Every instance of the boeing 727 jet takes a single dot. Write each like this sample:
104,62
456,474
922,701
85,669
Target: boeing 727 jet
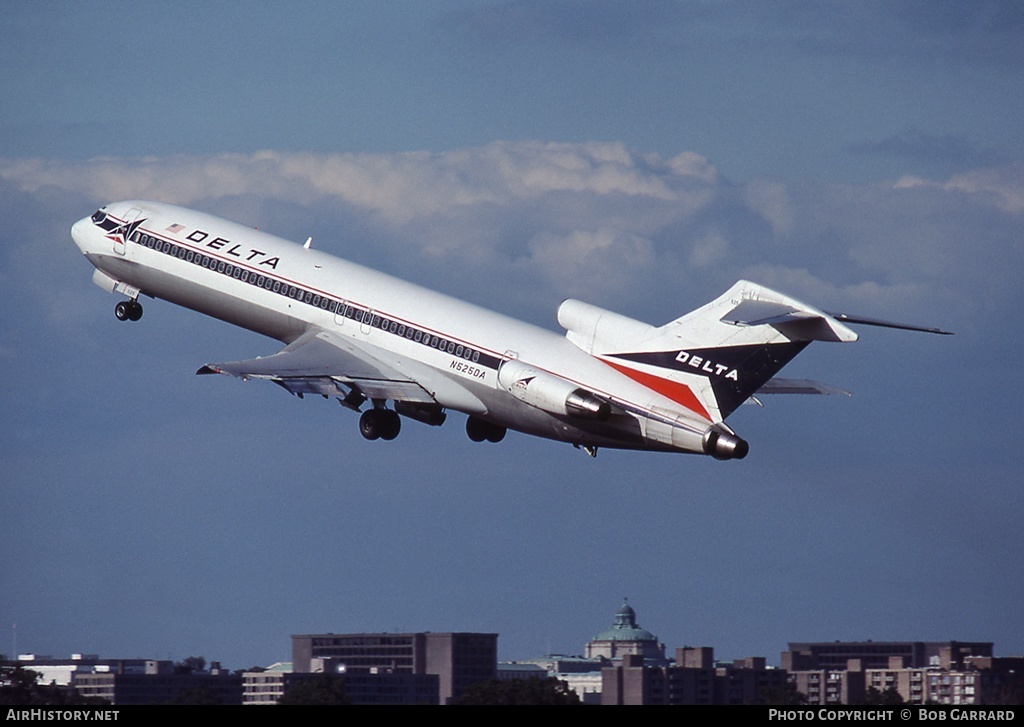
371,340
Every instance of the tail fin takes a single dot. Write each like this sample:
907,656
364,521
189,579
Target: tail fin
710,360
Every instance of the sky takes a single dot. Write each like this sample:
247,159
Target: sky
865,157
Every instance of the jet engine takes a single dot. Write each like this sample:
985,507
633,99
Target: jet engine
551,393
722,445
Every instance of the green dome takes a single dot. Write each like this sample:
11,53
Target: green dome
625,628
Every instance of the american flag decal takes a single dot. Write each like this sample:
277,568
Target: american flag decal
175,227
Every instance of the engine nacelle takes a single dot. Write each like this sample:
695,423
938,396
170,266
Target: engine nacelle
722,445
596,329
551,393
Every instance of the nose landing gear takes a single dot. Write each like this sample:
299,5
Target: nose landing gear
128,310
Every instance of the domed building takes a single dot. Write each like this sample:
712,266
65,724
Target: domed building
626,637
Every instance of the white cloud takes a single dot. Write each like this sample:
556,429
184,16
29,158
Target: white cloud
771,201
1004,185
523,224
591,261
709,249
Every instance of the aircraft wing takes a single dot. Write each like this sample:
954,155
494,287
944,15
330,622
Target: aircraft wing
319,362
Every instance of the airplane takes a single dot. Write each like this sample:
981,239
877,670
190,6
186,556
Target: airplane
366,339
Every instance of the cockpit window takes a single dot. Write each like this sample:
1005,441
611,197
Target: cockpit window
98,216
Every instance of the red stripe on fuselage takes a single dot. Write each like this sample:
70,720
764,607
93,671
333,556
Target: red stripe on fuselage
679,393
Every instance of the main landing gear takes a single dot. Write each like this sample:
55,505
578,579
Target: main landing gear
128,310
479,430
380,423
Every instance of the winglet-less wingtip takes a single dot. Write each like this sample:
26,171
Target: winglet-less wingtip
207,369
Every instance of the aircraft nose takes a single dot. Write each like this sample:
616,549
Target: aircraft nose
80,233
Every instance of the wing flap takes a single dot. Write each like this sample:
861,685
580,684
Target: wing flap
300,386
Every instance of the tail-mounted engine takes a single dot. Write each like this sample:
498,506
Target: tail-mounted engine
551,393
722,445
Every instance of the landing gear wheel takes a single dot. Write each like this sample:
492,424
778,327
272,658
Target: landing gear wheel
478,430
380,424
128,310
392,425
369,426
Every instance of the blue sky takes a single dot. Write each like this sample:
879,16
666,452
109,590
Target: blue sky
863,156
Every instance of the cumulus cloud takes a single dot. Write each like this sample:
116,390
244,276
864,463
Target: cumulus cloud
1001,186
522,225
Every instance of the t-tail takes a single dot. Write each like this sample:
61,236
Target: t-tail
714,359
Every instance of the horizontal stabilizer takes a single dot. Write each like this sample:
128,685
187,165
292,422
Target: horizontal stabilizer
762,312
887,324
760,306
799,386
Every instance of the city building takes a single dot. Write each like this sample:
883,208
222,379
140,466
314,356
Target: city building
915,672
60,671
694,678
458,659
803,656
626,638
362,686
161,683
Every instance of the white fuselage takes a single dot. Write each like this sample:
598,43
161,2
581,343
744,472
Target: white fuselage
284,290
